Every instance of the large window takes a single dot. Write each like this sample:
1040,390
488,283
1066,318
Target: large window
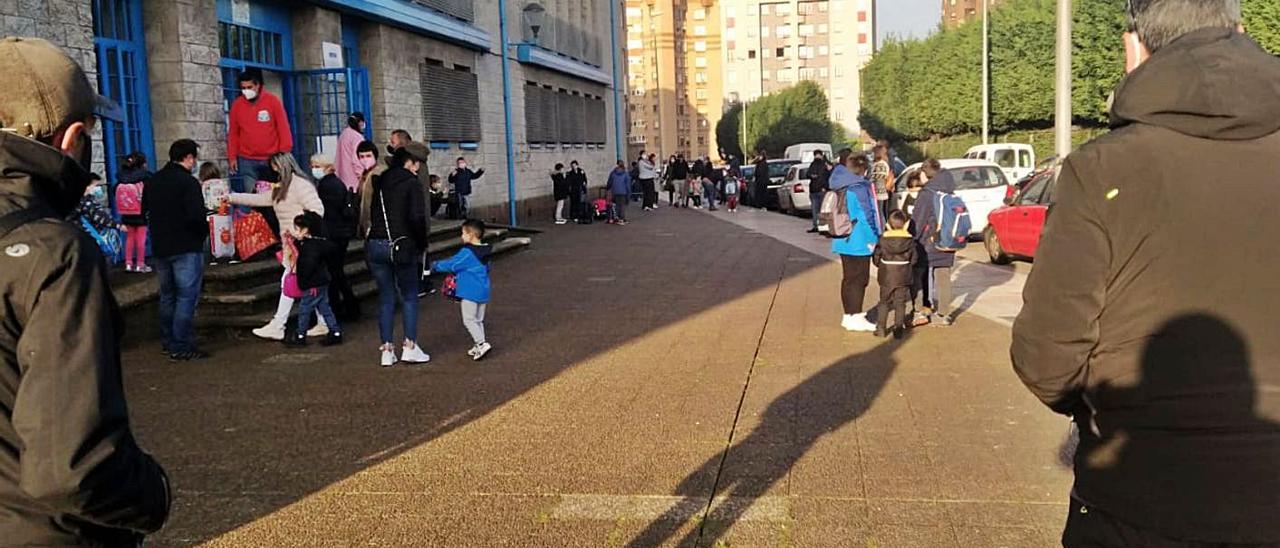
558,115
122,76
251,45
450,102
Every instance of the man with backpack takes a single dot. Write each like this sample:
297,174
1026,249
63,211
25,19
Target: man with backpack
926,222
71,473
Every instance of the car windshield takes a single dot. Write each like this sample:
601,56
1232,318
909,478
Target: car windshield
971,178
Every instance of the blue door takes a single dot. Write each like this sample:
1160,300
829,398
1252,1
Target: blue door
321,101
122,76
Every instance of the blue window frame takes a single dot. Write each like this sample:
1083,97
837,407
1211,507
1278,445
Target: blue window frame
350,43
122,76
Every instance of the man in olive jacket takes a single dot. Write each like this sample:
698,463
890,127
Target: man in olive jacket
70,471
1150,316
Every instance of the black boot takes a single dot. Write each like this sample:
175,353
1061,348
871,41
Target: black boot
295,340
332,339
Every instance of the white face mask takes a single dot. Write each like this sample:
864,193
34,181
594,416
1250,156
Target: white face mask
250,94
318,173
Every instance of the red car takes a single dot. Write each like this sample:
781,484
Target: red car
1013,231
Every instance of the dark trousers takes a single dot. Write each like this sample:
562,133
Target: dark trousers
619,210
1088,527
897,298
650,192
853,286
340,295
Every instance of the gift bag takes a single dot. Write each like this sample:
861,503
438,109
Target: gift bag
252,235
215,192
222,240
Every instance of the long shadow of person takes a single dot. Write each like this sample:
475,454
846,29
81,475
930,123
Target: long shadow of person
1189,449
823,403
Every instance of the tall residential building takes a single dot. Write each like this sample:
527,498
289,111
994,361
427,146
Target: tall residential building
772,45
958,12
674,76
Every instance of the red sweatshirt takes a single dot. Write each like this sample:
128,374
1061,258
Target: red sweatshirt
258,129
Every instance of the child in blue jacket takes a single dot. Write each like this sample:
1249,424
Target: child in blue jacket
470,268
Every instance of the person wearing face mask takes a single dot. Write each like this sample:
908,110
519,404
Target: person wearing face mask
71,472
340,216
460,180
347,164
258,128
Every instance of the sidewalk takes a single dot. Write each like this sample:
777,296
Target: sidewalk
679,381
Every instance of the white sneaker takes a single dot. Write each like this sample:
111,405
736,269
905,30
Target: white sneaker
414,354
319,330
272,332
861,325
388,357
480,350
847,322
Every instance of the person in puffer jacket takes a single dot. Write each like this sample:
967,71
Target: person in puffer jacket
470,269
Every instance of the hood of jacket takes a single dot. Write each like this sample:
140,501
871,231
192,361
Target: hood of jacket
33,173
1211,83
944,182
482,252
842,177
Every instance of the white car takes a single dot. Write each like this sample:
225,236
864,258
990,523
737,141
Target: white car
793,193
981,184
1017,160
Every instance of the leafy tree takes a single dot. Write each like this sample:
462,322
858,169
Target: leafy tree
1262,22
729,130
798,114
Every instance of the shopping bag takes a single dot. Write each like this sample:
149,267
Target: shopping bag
222,240
252,235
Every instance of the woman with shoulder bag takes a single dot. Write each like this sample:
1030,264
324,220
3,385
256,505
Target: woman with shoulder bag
393,221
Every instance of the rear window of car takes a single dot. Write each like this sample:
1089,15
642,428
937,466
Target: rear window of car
971,178
748,171
779,169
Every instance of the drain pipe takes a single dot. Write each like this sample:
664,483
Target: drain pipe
506,114
617,99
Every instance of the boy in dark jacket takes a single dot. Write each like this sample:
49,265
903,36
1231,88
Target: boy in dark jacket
470,269
895,256
311,268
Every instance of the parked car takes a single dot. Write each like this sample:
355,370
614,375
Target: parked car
981,184
777,172
1016,159
1013,231
793,194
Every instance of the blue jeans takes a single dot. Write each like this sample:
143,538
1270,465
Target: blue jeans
317,300
394,281
815,204
180,279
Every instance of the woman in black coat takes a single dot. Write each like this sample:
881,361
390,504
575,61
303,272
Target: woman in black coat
576,179
560,190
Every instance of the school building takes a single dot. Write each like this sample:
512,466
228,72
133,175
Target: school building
431,67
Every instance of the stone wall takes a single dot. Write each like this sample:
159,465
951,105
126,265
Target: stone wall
312,26
186,83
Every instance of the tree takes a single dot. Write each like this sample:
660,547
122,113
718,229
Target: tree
798,114
729,130
1262,22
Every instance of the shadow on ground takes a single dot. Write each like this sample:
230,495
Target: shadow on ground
257,427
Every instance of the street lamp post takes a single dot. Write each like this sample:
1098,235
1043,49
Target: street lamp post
986,74
1062,111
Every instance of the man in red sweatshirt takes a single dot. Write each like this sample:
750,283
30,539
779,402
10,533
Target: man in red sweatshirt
259,128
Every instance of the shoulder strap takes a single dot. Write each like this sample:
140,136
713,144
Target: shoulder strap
18,218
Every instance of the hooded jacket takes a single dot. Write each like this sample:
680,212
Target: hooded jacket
311,268
924,218
818,175
70,471
1158,337
895,256
619,184
861,242
470,267
406,208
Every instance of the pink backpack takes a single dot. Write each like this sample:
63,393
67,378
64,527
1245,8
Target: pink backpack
129,198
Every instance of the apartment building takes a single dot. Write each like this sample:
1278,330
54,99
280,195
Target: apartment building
959,12
674,76
772,45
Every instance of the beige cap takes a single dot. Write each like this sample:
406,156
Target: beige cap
46,89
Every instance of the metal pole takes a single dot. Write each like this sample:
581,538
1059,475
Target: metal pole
506,114
986,74
1062,112
617,79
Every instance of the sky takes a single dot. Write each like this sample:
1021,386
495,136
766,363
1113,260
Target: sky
907,18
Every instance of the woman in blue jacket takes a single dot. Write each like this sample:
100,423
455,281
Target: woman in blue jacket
470,268
855,250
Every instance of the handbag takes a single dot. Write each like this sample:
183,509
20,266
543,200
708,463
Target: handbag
399,246
290,286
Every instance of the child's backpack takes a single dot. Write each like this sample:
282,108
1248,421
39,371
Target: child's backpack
833,218
954,225
601,207
129,198
730,187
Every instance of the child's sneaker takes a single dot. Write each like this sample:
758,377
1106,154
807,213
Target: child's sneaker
480,350
414,354
128,268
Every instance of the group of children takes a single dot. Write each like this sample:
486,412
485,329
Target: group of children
896,257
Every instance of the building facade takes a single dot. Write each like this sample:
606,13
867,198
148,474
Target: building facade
772,45
431,67
674,57
959,12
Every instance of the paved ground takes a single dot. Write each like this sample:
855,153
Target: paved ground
679,381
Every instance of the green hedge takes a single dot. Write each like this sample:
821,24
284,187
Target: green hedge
915,89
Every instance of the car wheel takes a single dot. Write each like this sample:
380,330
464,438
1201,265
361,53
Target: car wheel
992,243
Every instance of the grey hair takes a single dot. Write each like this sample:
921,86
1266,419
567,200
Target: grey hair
1160,22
